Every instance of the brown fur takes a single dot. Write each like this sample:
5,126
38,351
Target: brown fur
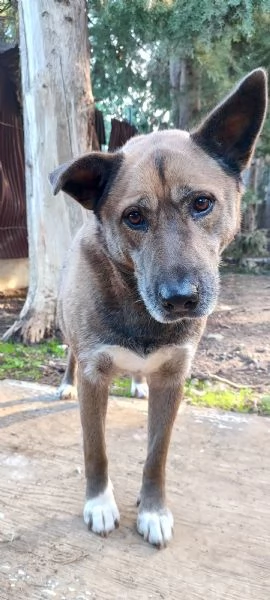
148,291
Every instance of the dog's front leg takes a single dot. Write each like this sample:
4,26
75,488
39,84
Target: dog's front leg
155,520
100,509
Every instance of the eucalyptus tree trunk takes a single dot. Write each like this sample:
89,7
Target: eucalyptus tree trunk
184,92
58,124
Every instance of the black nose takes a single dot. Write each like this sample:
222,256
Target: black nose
182,297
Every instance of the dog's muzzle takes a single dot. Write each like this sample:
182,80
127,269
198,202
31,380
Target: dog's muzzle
181,297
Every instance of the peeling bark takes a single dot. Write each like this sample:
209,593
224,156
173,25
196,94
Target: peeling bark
58,124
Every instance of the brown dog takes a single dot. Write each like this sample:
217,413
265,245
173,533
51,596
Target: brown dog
142,277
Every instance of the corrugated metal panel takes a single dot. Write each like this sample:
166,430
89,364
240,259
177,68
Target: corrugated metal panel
13,227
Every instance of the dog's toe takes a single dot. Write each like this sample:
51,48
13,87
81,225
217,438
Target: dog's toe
156,527
67,392
101,514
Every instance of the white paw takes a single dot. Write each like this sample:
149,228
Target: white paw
156,527
101,514
139,390
67,392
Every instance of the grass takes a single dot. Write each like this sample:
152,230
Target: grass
264,407
27,363
216,395
205,393
121,387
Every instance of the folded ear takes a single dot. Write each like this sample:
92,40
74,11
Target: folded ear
230,131
88,178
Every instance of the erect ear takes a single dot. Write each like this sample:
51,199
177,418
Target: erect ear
230,131
88,178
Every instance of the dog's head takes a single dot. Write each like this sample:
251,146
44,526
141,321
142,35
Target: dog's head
168,203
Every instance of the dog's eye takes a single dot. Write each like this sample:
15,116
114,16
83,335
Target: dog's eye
134,219
202,206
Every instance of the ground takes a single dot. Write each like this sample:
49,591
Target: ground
218,488
241,349
236,344
218,480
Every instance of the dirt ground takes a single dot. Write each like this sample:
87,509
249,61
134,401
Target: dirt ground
218,489
236,344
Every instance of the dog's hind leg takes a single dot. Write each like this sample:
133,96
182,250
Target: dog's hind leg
68,387
100,510
139,387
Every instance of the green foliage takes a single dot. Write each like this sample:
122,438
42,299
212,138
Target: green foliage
252,52
119,34
245,400
206,21
9,26
252,244
264,406
249,197
121,386
24,362
203,393
134,42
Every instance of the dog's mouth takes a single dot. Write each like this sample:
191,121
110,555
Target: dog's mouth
163,316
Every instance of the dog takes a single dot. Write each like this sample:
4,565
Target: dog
142,277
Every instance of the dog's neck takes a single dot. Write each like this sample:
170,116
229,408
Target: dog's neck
126,321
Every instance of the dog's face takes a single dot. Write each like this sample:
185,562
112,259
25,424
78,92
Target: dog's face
169,213
169,203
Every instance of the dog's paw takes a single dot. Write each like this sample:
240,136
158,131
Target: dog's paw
67,392
139,390
101,514
156,526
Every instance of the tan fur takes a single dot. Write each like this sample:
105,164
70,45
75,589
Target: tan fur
137,299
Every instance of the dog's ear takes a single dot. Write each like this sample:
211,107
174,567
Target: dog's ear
230,131
88,178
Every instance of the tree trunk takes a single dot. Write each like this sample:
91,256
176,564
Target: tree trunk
184,92
175,73
249,218
263,217
58,124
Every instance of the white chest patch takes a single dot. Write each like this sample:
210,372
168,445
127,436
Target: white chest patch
130,362
126,361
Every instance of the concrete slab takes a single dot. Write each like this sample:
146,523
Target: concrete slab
218,488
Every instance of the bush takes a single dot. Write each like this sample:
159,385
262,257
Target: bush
251,244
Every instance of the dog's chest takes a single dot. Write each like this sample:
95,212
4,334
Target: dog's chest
128,361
